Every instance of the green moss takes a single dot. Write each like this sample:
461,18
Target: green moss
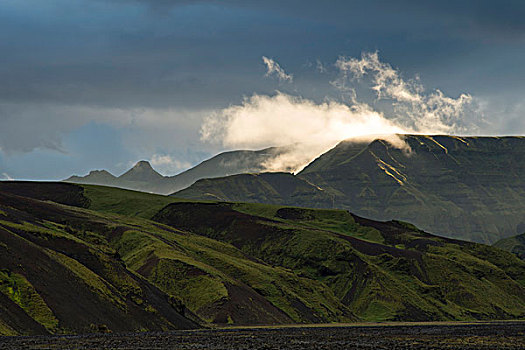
21,292
194,287
298,260
377,311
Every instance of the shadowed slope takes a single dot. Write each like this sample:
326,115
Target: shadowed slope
275,188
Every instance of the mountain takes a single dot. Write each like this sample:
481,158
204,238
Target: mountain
84,258
95,177
142,177
141,172
276,188
469,188
515,245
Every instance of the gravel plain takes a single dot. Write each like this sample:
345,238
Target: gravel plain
479,335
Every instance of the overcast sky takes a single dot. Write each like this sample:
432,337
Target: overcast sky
101,84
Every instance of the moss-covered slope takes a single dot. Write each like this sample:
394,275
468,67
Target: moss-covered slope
58,275
135,261
380,271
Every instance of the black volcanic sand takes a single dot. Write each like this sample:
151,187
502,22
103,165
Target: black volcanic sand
480,335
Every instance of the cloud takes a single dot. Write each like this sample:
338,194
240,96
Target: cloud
26,127
320,66
5,176
422,111
167,164
273,68
309,129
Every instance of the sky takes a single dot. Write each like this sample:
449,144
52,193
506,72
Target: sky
102,84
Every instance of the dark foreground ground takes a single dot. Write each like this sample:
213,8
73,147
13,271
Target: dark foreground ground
489,335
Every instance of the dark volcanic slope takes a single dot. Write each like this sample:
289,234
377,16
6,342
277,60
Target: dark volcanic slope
52,281
470,188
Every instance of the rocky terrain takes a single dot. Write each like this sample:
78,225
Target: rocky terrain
495,335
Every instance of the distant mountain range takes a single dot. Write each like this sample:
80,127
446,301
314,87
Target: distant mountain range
142,177
469,188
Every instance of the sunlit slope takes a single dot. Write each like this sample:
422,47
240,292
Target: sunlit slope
408,253
234,263
470,188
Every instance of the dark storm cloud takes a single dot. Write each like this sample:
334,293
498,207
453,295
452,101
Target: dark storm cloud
504,18
67,63
196,53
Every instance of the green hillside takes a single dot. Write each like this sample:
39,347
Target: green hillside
469,188
136,261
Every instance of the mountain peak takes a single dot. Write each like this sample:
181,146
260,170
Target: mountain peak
142,164
96,177
141,171
100,173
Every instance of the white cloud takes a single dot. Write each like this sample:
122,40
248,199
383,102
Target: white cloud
281,120
273,68
310,128
432,112
320,67
5,176
167,164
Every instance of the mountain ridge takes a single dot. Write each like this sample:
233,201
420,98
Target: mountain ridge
222,164
465,187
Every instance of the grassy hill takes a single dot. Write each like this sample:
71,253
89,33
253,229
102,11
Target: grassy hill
468,188
77,258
